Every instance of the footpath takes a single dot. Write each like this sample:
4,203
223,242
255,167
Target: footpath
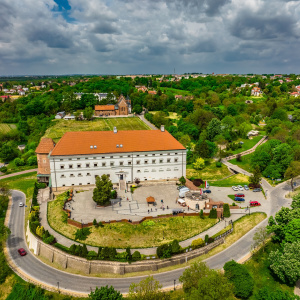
18,173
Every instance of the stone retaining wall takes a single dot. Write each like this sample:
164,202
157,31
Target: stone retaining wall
67,261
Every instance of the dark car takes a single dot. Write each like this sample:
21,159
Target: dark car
22,252
239,195
239,199
207,191
254,203
257,190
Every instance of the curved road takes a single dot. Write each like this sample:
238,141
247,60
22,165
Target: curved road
43,273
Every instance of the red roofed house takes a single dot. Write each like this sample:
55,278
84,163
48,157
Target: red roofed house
123,107
152,92
256,91
45,146
79,157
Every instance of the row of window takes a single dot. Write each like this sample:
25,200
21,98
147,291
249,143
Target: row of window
121,156
121,163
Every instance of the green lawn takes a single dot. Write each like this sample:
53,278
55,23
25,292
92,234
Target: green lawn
210,171
248,143
5,128
245,163
258,267
23,183
175,91
62,126
238,179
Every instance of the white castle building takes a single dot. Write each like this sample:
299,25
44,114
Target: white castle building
79,157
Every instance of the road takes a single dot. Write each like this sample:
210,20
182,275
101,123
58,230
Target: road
47,275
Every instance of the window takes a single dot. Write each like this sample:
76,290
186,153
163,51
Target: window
138,162
139,171
153,154
168,153
61,159
103,164
161,170
161,161
154,161
146,162
128,155
111,157
78,158
146,171
80,183
153,170
168,160
72,183
175,169
63,185
176,160
103,156
94,157
176,153
121,163
146,154
137,155
78,165
129,162
88,183
70,158
121,156
95,165
62,176
72,175
88,174
111,164
79,175
86,158
87,165
70,166
161,154
168,169
62,167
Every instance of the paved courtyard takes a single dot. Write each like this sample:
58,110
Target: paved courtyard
135,206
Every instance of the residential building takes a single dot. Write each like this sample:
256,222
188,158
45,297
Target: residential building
79,157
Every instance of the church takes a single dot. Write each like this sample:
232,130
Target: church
123,107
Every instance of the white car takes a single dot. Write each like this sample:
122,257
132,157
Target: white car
235,188
240,188
21,204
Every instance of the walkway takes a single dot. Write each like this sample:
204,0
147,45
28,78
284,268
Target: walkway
18,173
147,122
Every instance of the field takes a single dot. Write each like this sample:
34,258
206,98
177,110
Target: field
176,91
5,128
62,126
210,172
121,235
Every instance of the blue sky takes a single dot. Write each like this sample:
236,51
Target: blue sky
149,36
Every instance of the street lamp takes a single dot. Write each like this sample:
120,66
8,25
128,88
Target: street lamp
225,224
58,287
174,283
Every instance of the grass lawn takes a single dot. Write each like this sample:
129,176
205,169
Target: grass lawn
62,126
12,168
121,235
245,163
248,143
210,172
5,128
238,179
258,267
172,115
175,91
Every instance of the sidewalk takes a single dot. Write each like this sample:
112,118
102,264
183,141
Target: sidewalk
18,173
147,122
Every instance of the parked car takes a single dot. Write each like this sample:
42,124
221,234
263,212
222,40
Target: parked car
239,199
239,195
22,252
21,204
254,203
257,190
240,188
246,187
207,191
235,188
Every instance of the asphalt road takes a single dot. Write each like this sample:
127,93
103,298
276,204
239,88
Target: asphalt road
50,276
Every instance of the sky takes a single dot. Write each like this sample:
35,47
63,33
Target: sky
149,36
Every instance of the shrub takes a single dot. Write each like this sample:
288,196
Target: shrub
113,194
99,252
62,247
49,240
163,249
73,249
105,253
211,240
19,162
82,234
233,204
226,210
198,243
91,255
84,251
78,250
136,256
206,238
182,180
241,279
32,161
33,226
218,164
213,213
175,247
129,256
239,157
201,215
112,253
40,231
100,224
3,169
95,223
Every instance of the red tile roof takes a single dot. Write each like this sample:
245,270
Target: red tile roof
104,107
45,146
79,143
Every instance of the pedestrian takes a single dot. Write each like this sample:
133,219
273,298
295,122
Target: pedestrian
167,207
127,198
188,207
148,211
151,209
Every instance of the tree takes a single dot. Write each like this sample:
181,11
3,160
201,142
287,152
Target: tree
137,109
259,238
88,113
102,192
105,293
7,153
292,171
241,279
255,177
182,180
201,215
147,289
267,293
286,265
292,231
199,164
213,213
226,210
213,286
191,276
213,129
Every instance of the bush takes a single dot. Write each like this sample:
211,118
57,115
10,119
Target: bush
73,249
84,251
95,223
136,256
218,164
3,169
112,253
113,194
78,250
226,210
82,234
198,243
32,161
4,270
201,215
163,251
239,157
175,247
49,240
62,247
105,253
206,238
213,213
91,255
241,279
19,162
129,256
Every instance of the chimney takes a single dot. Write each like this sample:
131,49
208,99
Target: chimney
115,130
162,128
